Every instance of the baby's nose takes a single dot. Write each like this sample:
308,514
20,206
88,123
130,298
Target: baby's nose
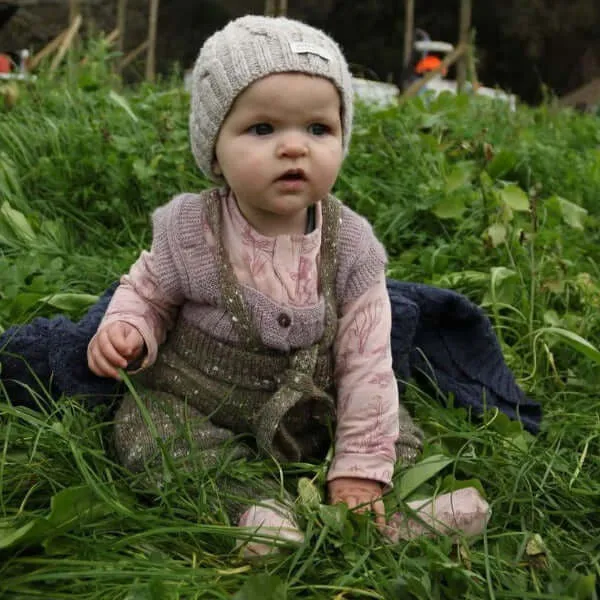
293,145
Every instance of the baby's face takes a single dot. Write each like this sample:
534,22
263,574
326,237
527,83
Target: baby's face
280,149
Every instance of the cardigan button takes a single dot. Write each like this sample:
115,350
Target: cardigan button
284,320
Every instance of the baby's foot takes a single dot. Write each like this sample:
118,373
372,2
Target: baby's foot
269,518
463,512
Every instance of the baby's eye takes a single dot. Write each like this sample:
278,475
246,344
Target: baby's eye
318,129
261,129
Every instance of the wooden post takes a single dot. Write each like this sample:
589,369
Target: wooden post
409,30
112,37
269,8
74,10
121,23
74,13
464,38
283,7
151,54
134,54
48,49
472,66
65,42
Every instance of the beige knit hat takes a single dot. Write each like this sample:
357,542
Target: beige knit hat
246,50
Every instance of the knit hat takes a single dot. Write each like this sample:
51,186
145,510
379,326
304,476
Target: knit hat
246,50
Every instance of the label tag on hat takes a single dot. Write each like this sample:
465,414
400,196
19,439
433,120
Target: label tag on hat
304,48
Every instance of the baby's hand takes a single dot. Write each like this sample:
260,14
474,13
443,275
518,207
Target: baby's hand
113,348
355,492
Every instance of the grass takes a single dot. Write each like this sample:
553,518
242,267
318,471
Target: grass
500,206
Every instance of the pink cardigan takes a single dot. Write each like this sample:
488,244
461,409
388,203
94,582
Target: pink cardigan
284,269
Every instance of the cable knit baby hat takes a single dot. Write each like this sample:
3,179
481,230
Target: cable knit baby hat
246,50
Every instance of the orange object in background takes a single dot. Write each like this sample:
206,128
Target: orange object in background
429,63
5,64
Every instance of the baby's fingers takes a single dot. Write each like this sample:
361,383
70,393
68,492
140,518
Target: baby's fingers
126,340
358,503
362,504
103,359
379,510
352,502
109,346
101,367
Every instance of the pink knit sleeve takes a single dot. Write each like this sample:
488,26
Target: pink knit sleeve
149,296
367,405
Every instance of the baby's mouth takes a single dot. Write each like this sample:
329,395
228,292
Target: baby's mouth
293,175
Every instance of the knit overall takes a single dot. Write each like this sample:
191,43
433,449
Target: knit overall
223,399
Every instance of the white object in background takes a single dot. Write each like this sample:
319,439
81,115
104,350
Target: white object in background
375,92
433,46
383,94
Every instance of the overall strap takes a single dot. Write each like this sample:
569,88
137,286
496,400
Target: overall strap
230,289
332,211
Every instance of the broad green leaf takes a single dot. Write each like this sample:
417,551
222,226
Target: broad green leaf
536,553
70,302
11,535
10,182
123,143
572,339
496,234
262,587
308,493
55,230
17,223
421,472
120,101
334,516
451,207
498,421
556,286
522,441
155,161
459,278
501,164
503,284
498,275
429,142
155,589
68,508
73,504
143,170
459,177
513,196
451,484
25,300
505,212
7,237
551,318
535,546
572,214
585,587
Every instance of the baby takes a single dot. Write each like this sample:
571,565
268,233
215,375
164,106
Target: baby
259,319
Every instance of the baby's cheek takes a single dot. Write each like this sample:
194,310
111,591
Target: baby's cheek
252,170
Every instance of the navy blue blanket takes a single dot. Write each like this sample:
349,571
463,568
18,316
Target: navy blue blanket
439,338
